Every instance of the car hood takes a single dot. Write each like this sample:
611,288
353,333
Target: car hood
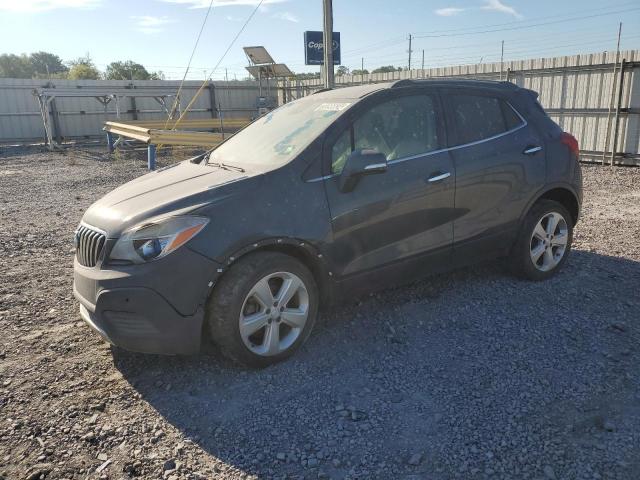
178,189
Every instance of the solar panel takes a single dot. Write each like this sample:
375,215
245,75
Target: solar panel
269,71
281,70
258,55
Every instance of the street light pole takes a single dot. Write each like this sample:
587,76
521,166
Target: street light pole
328,43
501,58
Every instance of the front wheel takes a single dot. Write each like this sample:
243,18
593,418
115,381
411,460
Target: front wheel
263,308
544,241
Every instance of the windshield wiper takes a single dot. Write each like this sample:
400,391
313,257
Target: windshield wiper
225,166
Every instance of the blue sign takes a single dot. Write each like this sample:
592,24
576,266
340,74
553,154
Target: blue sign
314,48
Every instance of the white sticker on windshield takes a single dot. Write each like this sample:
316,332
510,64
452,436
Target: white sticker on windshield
332,107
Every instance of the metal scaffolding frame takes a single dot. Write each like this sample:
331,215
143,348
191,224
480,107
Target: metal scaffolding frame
46,101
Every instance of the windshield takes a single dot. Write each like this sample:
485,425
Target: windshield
278,136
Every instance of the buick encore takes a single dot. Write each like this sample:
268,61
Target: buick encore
337,193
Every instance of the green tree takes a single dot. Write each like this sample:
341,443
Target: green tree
159,75
44,64
83,69
360,72
306,76
128,70
14,66
342,70
387,69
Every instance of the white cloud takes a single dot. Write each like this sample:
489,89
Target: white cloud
149,24
220,3
498,6
32,6
288,16
449,11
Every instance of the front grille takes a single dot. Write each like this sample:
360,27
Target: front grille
89,244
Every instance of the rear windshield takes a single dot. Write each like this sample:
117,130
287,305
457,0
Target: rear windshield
280,135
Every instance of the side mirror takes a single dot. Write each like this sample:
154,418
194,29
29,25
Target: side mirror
359,163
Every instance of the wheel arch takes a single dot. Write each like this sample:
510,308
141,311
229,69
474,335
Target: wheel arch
561,193
303,251
566,198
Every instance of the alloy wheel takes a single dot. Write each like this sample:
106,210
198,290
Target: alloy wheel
274,313
549,241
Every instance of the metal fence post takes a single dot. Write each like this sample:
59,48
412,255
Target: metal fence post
151,157
212,99
110,142
134,105
616,121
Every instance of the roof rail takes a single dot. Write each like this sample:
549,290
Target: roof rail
322,90
408,82
403,83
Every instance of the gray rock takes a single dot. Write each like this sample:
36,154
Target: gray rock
549,473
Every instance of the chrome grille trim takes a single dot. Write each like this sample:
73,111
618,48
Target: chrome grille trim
89,243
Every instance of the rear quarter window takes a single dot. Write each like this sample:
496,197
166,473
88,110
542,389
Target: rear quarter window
511,118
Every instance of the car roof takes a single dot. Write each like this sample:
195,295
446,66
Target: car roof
360,91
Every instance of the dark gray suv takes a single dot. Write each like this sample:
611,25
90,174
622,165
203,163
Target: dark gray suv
337,193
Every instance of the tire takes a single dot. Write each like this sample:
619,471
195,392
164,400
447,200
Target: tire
529,243
241,297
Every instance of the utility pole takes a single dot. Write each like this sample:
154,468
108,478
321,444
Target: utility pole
409,51
327,40
501,59
607,138
422,63
362,71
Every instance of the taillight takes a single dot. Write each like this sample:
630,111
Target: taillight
571,142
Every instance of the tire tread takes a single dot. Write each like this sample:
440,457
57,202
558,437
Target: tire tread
225,302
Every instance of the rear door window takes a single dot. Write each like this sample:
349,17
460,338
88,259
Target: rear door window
480,117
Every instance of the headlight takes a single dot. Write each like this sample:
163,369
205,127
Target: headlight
153,240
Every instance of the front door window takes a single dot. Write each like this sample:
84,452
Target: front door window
398,128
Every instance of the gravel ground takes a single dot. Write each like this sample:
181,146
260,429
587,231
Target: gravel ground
468,375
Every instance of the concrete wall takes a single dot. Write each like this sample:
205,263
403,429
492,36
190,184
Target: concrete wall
576,91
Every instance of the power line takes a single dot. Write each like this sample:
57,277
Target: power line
535,19
529,26
448,60
398,40
193,51
244,25
555,41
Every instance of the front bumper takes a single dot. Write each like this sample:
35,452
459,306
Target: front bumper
151,308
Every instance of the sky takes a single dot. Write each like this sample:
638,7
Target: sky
161,34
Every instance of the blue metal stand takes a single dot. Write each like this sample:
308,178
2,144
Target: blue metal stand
110,142
151,157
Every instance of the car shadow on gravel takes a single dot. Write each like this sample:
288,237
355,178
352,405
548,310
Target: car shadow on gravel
422,379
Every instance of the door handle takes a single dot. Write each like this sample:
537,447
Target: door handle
439,176
531,149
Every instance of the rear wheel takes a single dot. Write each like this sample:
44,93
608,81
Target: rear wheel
544,241
263,308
